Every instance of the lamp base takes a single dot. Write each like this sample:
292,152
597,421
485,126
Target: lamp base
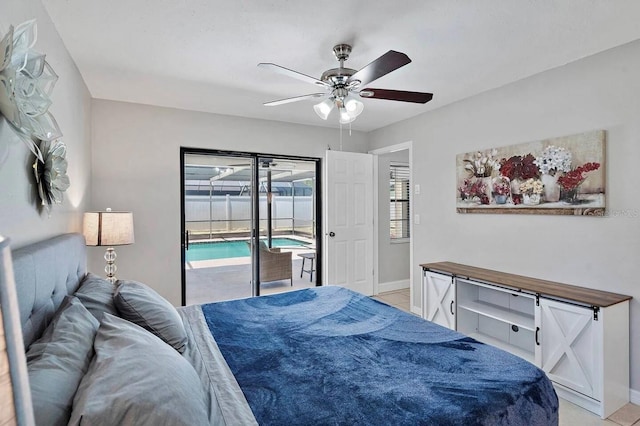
111,268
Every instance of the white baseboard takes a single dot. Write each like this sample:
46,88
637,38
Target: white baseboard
634,396
393,285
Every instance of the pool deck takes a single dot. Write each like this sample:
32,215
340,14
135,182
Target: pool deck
224,279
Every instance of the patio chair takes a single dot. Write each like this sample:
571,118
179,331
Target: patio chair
275,265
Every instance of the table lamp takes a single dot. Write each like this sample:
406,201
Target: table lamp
108,228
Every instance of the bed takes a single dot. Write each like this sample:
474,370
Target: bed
318,356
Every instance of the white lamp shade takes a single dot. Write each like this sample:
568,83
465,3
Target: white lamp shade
108,228
345,117
354,107
323,109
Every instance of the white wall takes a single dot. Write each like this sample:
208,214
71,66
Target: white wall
599,92
136,167
20,218
393,258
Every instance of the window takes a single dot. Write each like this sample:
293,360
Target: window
399,190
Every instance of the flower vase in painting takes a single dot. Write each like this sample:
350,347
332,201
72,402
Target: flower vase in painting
531,199
517,169
482,166
531,190
474,190
486,184
551,163
516,195
501,189
570,196
572,180
551,187
501,198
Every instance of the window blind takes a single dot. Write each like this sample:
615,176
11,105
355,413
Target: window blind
399,192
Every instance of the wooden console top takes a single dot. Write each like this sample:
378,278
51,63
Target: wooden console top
543,288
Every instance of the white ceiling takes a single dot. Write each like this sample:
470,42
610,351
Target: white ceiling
202,54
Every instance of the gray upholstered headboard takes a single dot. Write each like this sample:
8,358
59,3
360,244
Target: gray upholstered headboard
45,272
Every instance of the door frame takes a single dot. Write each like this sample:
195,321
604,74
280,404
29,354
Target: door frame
376,220
256,219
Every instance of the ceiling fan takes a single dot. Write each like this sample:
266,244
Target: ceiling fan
341,85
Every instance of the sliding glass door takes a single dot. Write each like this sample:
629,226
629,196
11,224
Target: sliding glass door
218,222
248,223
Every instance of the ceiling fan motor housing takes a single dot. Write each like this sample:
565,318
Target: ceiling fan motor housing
338,77
342,51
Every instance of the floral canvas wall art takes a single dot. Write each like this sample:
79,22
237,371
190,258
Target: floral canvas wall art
563,175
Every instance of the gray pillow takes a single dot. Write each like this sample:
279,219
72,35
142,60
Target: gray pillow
58,360
96,294
136,379
141,305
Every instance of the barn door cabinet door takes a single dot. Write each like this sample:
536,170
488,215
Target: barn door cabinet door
584,351
439,299
569,349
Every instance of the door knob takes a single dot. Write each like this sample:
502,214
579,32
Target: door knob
332,234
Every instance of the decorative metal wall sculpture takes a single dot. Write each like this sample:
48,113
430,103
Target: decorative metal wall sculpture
26,83
51,174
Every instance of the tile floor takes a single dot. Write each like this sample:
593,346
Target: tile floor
398,298
570,414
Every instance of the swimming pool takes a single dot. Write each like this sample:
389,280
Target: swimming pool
228,249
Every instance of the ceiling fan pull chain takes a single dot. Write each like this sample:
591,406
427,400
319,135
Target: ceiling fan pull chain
340,136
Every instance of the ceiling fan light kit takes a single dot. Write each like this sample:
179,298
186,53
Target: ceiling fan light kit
323,109
345,118
343,84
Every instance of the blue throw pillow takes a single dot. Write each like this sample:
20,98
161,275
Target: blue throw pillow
141,305
58,360
96,294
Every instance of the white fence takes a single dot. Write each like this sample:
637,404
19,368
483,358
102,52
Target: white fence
221,214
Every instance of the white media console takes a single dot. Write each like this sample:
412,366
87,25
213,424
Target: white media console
578,336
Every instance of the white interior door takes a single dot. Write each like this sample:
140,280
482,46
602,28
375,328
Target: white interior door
348,216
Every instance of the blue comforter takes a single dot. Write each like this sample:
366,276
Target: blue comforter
330,356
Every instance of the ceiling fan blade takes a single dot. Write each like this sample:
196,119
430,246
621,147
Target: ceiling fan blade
397,95
294,99
295,74
386,63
